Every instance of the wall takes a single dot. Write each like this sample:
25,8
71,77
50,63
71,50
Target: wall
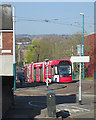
6,64
7,43
90,51
6,59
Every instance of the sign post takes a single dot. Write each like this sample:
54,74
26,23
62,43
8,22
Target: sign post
80,59
46,62
80,90
47,76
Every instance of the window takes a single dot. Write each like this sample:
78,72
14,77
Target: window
64,68
0,39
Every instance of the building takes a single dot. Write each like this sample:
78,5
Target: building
90,50
6,40
6,58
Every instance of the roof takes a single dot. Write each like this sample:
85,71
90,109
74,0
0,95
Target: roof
93,33
6,17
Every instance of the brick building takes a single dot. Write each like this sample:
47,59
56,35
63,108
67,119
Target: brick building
90,50
6,59
6,40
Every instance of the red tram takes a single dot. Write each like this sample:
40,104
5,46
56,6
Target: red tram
58,71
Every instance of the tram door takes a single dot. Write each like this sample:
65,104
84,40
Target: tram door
34,74
52,73
40,74
37,74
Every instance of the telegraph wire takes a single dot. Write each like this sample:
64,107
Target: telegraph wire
55,20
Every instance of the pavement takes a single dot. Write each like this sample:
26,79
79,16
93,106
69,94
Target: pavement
30,101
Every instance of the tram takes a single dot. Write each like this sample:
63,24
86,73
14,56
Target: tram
53,70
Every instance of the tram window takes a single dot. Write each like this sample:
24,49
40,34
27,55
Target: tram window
52,70
64,67
30,71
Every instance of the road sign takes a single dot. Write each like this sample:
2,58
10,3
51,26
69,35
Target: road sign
80,59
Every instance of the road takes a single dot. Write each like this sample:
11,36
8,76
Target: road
30,100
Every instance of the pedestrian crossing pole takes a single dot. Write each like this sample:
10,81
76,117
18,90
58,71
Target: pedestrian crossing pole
46,62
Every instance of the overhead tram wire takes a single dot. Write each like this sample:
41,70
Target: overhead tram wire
54,21
48,21
66,18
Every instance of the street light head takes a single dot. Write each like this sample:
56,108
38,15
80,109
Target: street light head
81,13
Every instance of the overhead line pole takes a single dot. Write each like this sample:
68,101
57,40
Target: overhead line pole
83,51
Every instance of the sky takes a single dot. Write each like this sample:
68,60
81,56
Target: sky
36,18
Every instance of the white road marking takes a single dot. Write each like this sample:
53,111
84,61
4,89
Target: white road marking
75,110
37,102
35,105
72,109
80,108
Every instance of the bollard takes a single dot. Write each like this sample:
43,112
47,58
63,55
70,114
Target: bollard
51,105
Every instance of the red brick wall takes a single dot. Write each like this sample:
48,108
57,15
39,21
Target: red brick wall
7,41
90,51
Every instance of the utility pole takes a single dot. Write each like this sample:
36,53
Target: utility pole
18,54
19,44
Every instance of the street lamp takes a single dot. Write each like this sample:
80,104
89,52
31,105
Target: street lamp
83,46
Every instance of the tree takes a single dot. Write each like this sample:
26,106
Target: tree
53,47
33,52
45,50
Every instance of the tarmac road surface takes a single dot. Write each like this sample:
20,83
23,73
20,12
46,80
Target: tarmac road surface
30,101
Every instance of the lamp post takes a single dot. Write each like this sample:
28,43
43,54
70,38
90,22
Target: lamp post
83,47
